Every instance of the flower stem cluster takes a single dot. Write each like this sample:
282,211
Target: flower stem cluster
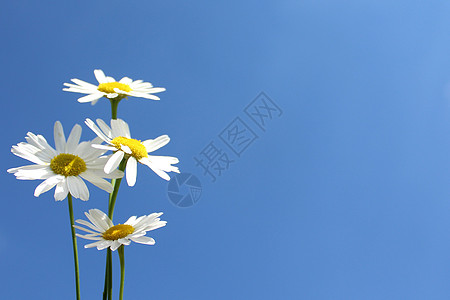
70,163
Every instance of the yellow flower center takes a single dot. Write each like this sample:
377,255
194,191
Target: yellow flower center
118,232
110,86
67,165
138,150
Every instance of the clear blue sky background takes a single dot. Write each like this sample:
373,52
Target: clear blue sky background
345,196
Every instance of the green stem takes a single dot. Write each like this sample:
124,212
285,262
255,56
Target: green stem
74,243
108,272
113,196
114,105
107,290
122,270
109,258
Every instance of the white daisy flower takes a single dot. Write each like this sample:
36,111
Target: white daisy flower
64,167
119,140
106,234
108,87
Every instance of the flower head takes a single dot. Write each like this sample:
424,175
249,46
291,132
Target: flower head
119,140
64,167
110,88
106,234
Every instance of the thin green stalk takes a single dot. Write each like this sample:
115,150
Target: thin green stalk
107,290
122,269
113,196
74,243
114,105
108,272
109,257
110,278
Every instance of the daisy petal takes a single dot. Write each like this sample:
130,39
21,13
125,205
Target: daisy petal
155,90
47,184
100,76
97,181
153,145
104,147
155,169
131,171
32,172
126,149
97,130
126,80
60,139
85,229
61,190
115,245
120,128
131,220
74,139
113,162
112,95
144,240
77,188
100,245
124,241
114,174
105,128
110,79
104,245
87,236
98,219
90,98
87,224
101,218
84,84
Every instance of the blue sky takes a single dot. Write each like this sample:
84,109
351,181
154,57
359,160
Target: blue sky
343,196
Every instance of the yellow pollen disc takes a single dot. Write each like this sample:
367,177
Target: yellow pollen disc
110,86
138,150
67,165
118,232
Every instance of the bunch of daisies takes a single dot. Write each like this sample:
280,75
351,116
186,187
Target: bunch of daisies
102,161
